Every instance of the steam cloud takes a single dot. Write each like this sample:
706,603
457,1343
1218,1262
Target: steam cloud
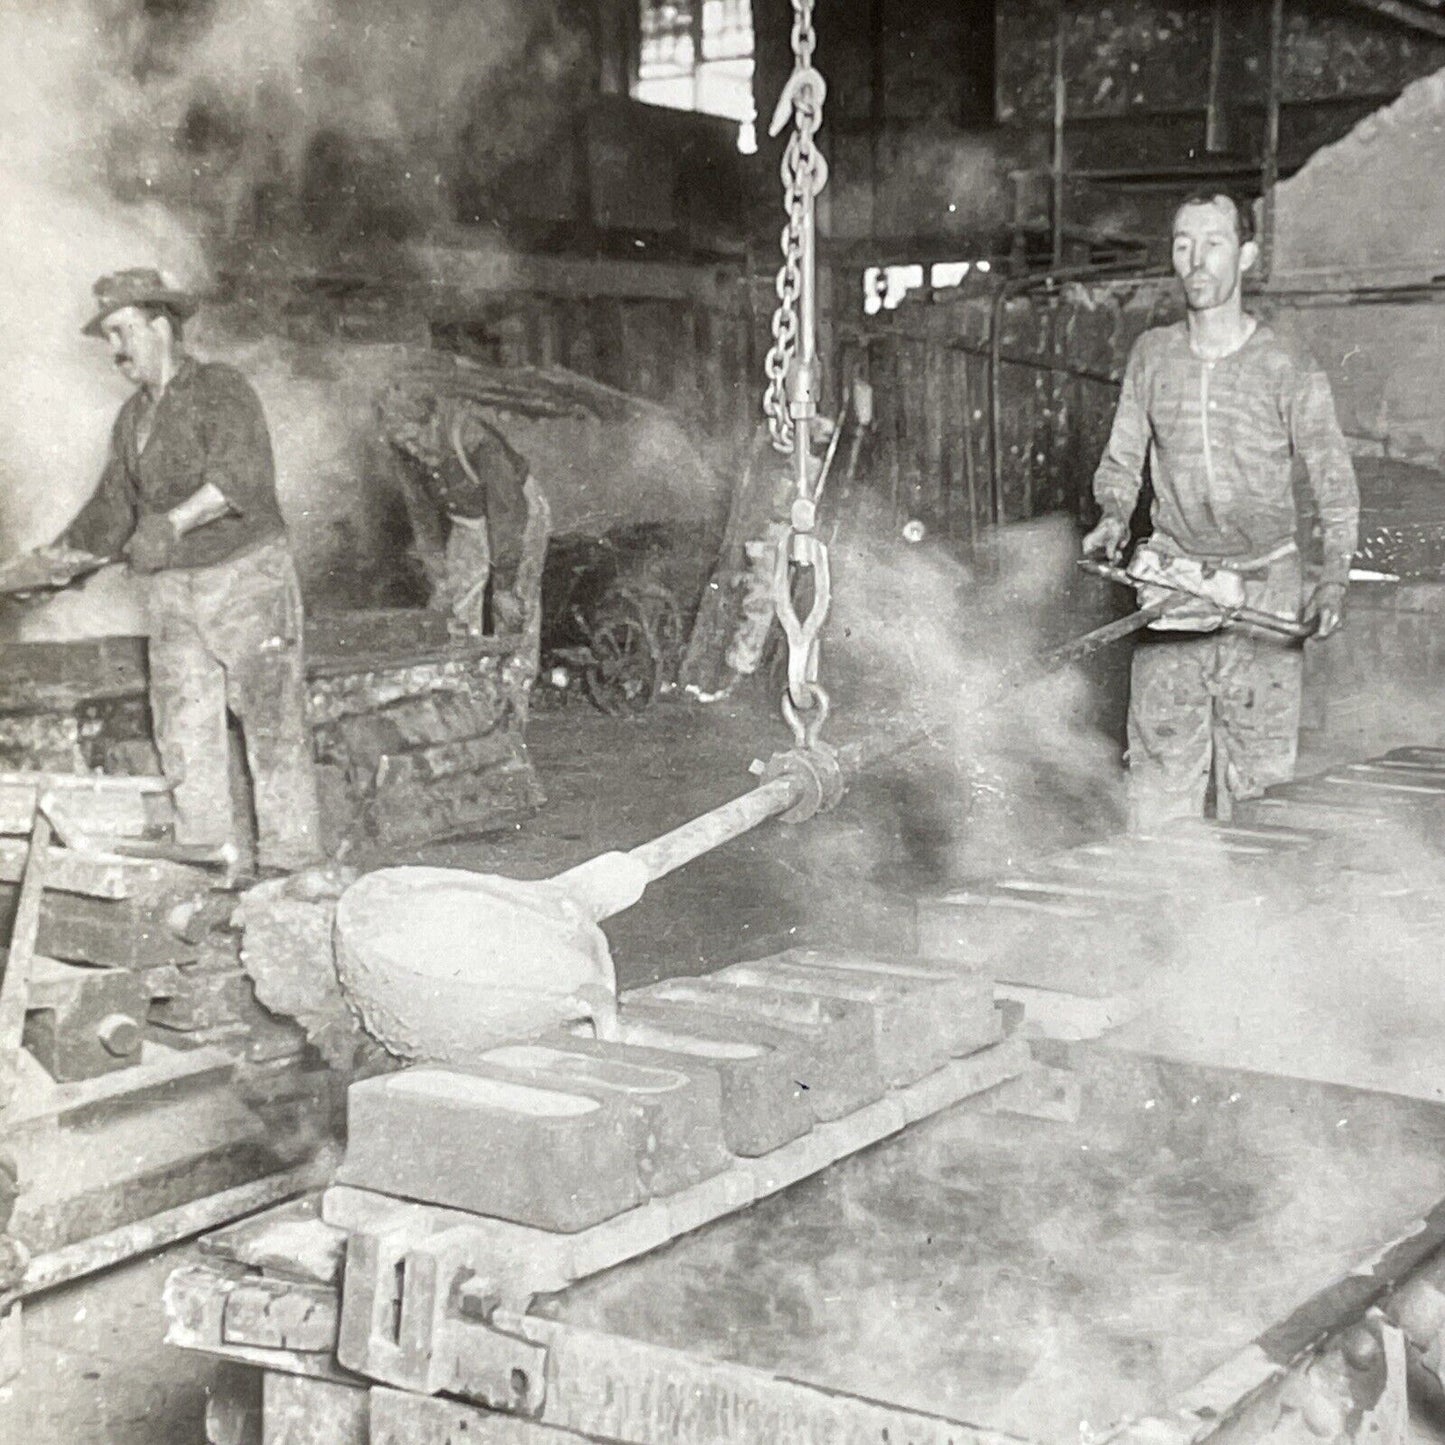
921,642
236,145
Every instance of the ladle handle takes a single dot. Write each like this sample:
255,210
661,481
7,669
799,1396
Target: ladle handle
719,825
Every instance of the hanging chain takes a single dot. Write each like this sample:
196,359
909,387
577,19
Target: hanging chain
804,173
790,400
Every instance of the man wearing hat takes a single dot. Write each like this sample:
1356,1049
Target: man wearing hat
188,498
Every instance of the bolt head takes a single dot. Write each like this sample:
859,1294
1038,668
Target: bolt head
119,1035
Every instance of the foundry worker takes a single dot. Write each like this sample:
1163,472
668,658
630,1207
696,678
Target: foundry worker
1221,408
188,498
479,521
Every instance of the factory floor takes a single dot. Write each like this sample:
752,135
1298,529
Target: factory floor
98,1369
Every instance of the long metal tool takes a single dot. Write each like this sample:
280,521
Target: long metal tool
443,963
1043,663
1250,616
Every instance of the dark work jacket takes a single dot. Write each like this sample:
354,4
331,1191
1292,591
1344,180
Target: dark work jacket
437,492
208,427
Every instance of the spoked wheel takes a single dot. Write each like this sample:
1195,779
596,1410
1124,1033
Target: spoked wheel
635,642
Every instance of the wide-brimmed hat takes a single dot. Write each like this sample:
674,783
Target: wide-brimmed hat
140,286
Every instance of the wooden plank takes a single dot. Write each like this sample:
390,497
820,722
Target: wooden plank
15,983
416,767
91,804
466,802
469,272
37,676
934,419
89,1256
161,1073
467,652
88,782
413,722
291,1241
375,633
103,875
1412,16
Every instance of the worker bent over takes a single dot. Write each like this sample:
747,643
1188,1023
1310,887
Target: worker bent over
479,520
1220,408
188,497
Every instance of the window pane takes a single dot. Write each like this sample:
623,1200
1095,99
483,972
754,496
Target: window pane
671,72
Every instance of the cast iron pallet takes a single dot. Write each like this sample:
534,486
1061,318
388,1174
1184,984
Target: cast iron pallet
636,1343
852,1307
599,1385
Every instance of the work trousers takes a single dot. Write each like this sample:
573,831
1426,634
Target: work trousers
462,591
229,637
470,565
1225,702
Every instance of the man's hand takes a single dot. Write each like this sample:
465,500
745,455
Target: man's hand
152,544
1107,540
1326,608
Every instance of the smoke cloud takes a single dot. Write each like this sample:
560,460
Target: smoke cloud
56,235
244,148
922,644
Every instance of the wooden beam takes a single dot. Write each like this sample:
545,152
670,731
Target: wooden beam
1402,12
144,1236
1056,207
467,273
1269,169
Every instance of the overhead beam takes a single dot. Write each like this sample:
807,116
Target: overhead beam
1402,12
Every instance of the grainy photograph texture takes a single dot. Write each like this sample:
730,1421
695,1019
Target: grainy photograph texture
722,722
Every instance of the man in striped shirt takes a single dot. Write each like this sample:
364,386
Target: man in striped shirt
1221,408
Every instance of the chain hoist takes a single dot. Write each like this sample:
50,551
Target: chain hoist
792,360
790,400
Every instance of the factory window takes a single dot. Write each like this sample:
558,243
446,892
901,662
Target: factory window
698,55
884,287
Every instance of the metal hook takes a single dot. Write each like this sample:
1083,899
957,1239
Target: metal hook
803,78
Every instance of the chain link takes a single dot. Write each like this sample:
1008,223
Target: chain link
791,374
805,703
804,173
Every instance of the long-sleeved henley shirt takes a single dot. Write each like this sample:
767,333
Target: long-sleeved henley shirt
1221,438
208,426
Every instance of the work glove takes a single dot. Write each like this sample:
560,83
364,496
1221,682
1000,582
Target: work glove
1107,540
152,544
1326,608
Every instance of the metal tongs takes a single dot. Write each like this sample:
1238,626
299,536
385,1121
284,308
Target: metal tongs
1251,616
